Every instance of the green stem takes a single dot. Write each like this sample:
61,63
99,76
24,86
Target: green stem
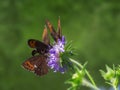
89,76
88,84
115,88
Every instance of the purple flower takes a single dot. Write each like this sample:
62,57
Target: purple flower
54,56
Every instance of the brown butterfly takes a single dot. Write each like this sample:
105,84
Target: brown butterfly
56,35
38,63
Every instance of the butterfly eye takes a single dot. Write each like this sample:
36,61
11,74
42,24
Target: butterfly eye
43,51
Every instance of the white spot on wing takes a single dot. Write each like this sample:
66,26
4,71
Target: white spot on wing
35,66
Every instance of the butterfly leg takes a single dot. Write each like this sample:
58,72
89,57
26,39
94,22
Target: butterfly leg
34,52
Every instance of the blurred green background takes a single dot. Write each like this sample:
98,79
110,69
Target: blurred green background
92,25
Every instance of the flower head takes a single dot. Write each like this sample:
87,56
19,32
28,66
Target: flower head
54,56
58,59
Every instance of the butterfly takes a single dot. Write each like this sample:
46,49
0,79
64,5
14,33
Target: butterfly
38,63
55,35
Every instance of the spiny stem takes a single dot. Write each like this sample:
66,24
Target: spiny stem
89,76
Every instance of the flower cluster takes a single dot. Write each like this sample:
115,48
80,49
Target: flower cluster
54,55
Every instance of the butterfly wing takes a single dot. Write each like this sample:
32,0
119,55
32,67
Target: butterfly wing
42,69
59,31
36,64
35,43
45,36
38,45
52,30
